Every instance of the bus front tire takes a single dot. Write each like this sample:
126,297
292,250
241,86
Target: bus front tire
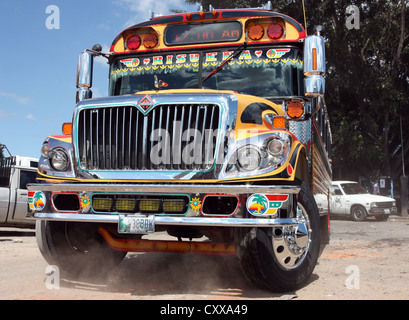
77,249
282,259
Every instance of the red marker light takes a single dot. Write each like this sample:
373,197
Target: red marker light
275,31
133,42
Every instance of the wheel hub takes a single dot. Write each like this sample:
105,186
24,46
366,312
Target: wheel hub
291,243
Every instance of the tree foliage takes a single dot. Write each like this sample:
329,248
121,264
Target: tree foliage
367,78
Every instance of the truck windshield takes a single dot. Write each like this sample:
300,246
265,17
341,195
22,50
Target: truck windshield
353,188
264,72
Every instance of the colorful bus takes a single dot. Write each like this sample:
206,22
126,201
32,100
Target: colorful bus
215,132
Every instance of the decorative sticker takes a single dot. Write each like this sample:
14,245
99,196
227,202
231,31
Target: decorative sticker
195,204
194,57
131,63
181,58
191,61
157,60
245,55
85,202
265,204
277,53
36,200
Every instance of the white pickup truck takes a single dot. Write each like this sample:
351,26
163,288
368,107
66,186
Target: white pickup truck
350,197
15,173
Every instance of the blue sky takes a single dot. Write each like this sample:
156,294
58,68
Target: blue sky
38,65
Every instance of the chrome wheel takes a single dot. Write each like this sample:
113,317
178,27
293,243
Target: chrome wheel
282,259
290,244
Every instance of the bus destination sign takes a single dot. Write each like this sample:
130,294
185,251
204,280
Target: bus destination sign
203,33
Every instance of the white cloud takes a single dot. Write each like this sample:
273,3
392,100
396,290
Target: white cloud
139,10
4,114
20,99
30,116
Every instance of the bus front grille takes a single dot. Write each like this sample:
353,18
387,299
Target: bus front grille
169,137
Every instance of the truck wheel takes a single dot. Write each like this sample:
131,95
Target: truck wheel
358,213
76,248
282,259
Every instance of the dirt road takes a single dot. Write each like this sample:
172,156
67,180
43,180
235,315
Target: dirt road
366,260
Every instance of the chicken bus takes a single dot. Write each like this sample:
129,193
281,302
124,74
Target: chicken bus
215,134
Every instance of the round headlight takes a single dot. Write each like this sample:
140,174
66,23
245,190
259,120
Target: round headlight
59,160
248,158
45,149
275,147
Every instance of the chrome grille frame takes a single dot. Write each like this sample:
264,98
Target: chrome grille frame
118,137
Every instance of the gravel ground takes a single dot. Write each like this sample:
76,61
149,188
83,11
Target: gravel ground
365,260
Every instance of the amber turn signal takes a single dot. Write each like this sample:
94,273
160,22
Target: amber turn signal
67,128
150,41
256,32
279,122
295,110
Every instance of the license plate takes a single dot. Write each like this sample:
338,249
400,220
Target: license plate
136,224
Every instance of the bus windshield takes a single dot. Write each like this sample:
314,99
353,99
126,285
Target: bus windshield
263,72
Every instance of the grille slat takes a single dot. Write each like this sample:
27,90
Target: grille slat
180,137
385,205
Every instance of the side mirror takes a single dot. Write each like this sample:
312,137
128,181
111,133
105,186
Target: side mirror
314,65
84,76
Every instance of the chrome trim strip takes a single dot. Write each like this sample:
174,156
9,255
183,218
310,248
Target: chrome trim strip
185,221
165,188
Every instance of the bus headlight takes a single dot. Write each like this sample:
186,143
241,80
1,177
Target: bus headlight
59,159
248,158
275,147
264,152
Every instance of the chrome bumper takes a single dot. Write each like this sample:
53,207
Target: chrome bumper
162,188
178,221
168,188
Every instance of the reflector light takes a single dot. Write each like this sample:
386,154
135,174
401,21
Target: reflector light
125,205
150,41
314,59
279,122
149,205
133,42
295,110
101,204
275,31
173,206
256,32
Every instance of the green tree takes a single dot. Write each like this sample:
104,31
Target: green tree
367,78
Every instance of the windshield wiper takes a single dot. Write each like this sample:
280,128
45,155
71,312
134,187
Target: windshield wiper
231,57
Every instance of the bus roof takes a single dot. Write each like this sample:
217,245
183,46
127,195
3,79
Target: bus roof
209,17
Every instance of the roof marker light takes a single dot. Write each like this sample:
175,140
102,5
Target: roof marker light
275,31
150,41
256,32
133,42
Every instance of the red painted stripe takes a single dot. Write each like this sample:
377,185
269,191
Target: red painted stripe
277,197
